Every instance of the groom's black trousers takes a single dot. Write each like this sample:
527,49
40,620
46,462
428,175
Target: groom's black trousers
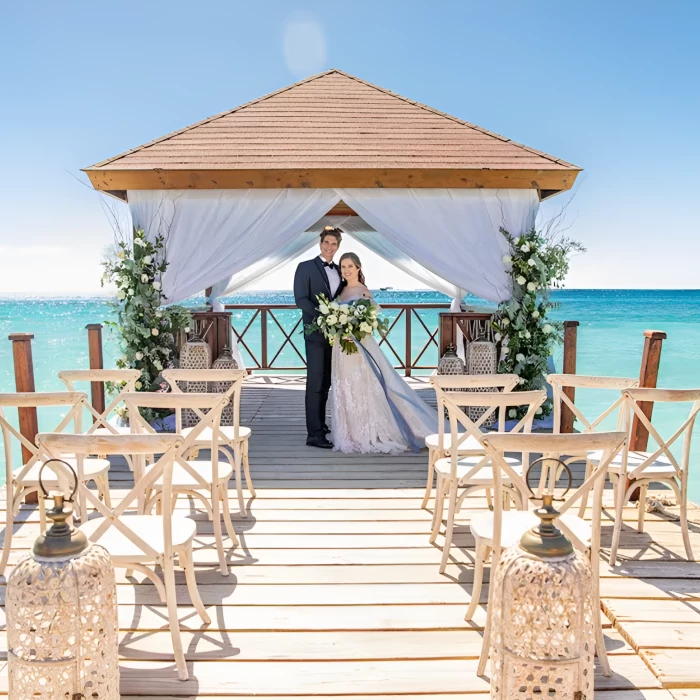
318,383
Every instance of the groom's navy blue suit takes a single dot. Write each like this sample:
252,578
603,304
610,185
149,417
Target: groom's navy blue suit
310,280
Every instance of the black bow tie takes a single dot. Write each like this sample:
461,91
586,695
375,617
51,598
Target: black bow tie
332,265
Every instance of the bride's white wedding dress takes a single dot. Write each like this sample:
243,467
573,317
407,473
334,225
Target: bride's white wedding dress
372,407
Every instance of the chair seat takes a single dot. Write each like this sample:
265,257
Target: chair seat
483,476
182,479
660,467
148,527
206,435
92,468
470,444
121,430
515,523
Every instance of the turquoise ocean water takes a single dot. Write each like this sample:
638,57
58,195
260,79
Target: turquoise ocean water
610,341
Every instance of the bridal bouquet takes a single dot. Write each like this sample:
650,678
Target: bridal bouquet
348,323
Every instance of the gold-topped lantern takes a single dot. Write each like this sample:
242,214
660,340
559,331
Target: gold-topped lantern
224,361
542,643
61,606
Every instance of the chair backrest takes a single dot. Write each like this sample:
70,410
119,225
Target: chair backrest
502,402
76,401
124,379
559,382
167,446
212,403
567,448
633,400
233,377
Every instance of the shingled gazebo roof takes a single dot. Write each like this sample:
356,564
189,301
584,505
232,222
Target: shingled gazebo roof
332,130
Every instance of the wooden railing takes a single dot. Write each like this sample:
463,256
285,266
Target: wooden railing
269,334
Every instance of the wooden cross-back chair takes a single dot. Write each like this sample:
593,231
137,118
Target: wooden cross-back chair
24,480
439,444
475,473
631,470
497,530
233,438
134,540
559,382
204,480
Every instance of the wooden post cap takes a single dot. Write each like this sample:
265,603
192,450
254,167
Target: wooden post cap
655,335
571,324
14,337
94,326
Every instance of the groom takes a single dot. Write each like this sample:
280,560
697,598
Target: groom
313,277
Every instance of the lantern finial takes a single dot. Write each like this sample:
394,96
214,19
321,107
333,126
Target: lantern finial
61,539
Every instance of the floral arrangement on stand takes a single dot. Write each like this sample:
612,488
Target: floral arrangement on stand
538,262
348,323
147,329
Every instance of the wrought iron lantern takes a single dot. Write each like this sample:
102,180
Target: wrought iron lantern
61,606
542,644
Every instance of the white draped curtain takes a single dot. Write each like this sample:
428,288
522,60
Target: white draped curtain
449,239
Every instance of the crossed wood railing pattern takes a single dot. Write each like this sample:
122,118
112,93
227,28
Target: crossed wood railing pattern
255,333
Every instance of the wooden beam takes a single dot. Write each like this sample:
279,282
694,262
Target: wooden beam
157,179
341,209
97,389
569,367
648,376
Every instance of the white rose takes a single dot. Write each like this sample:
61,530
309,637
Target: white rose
507,259
131,292
121,294
505,350
344,308
531,286
187,329
157,365
512,413
365,328
547,328
375,324
497,337
120,255
156,285
147,260
343,319
144,278
138,385
525,247
159,314
538,411
139,356
521,381
535,314
323,309
154,331
334,306
140,242
531,262
332,319
520,280
528,335
520,357
505,322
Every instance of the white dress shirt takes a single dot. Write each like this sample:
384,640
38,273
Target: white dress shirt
333,277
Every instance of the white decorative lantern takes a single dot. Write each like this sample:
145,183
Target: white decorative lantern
482,360
195,354
450,362
61,606
542,641
224,361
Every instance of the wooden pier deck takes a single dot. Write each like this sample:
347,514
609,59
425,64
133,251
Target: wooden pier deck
334,590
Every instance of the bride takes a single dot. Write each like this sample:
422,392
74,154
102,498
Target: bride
372,407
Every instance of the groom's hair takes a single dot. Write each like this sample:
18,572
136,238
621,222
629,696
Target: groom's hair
332,231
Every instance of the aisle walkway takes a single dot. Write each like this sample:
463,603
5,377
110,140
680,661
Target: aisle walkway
335,589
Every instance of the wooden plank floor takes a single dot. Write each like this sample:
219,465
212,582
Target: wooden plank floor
334,590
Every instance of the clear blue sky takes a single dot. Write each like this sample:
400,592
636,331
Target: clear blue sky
610,86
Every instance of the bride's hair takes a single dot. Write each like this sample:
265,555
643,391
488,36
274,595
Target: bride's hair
356,261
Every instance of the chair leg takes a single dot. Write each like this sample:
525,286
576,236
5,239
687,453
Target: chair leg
684,529
485,642
218,535
173,620
481,553
619,495
584,500
237,462
489,500
106,496
449,527
187,563
431,475
641,507
9,527
600,641
227,515
439,506
246,469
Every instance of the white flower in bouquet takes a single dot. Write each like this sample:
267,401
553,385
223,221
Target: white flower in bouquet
547,328
138,385
344,308
531,262
121,294
159,314
505,350
365,327
156,285
139,356
375,324
144,278
521,381
158,365
505,322
147,259
521,280
507,259
334,305
332,320
187,329
520,357
528,335
512,413
155,331
539,411
497,337
323,309
525,247
140,242
131,292
343,317
120,254
531,286
535,314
